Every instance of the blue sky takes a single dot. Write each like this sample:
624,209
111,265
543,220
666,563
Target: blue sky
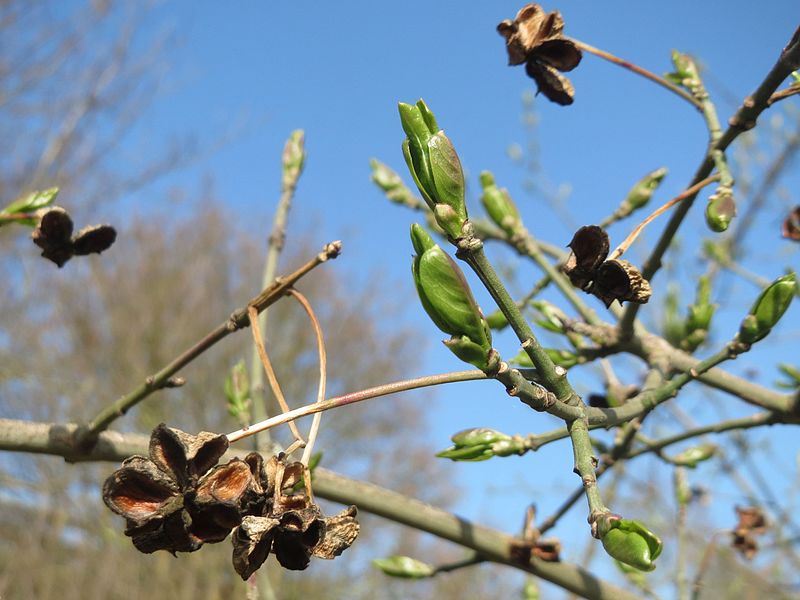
261,69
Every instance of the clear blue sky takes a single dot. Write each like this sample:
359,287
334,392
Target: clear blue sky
337,70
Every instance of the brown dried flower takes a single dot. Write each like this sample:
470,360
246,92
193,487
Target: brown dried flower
752,522
292,527
609,280
791,225
535,38
177,500
53,235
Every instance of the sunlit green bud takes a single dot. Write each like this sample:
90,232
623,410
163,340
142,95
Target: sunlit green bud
530,591
404,566
562,358
691,457
237,392
446,297
391,183
630,542
499,206
683,492
641,193
721,209
467,453
448,219
793,375
685,73
768,309
294,157
434,165
554,317
508,447
497,320
29,204
478,435
673,326
701,312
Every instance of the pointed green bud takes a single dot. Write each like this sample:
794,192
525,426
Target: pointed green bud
237,392
434,166
391,184
721,209
630,542
793,375
467,453
680,481
685,73
294,157
497,320
447,298
554,317
641,193
698,321
499,206
563,358
404,566
29,204
768,309
691,457
478,435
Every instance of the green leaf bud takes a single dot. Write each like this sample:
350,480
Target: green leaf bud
768,309
721,209
434,165
447,298
499,206
630,542
691,457
642,191
793,375
237,392
29,204
478,435
294,157
497,320
404,566
508,447
683,492
685,73
562,358
554,317
391,184
468,453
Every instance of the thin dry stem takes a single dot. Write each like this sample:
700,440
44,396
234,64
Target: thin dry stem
639,71
252,312
688,192
323,370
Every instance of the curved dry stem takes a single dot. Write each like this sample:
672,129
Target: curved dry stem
323,370
688,192
270,372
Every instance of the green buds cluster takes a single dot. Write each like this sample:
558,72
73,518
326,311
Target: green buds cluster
694,455
721,209
629,541
768,309
405,567
482,444
499,205
293,160
26,205
446,297
435,167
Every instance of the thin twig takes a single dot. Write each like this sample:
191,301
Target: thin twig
639,71
352,398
